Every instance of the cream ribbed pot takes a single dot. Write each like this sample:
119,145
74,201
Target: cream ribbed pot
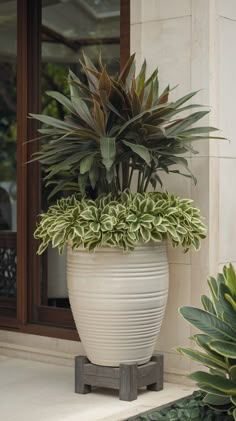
118,301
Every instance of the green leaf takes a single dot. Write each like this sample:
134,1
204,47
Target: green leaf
104,83
83,111
184,99
62,99
211,399
42,248
213,286
79,231
131,218
208,305
229,312
234,414
231,301
145,233
205,359
208,323
202,341
108,151
141,78
232,373
57,238
147,218
230,277
156,236
93,176
225,348
134,226
217,382
140,150
94,226
86,163
126,69
51,121
87,215
180,126
210,389
233,399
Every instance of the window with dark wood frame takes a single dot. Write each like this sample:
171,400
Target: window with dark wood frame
32,316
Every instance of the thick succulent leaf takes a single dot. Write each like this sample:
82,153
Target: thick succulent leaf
221,278
202,341
229,311
234,414
208,304
232,302
210,389
230,277
233,400
202,358
211,399
217,382
232,373
208,323
225,348
213,286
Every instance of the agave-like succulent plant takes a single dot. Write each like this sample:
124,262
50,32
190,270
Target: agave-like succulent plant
116,127
217,321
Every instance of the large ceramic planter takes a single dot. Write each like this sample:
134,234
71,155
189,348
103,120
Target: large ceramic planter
118,301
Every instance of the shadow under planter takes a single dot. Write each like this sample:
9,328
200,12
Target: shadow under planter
127,378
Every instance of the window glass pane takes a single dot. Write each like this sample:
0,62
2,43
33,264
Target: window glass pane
68,27
8,137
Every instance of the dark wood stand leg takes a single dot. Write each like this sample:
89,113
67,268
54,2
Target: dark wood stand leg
80,385
128,382
159,368
127,378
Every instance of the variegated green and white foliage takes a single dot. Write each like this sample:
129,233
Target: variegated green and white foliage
217,321
119,131
122,222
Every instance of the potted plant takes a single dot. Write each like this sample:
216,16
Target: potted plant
215,347
120,134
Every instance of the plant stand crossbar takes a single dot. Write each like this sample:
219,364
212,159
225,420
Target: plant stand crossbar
127,378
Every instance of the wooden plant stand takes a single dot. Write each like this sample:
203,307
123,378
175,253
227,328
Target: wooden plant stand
127,378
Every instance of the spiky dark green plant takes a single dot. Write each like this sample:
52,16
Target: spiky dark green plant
117,126
217,321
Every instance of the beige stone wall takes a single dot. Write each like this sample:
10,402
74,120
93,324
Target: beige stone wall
191,41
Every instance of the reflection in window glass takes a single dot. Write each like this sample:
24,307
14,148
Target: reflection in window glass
8,136
68,28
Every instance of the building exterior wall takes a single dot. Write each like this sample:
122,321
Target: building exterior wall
190,41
